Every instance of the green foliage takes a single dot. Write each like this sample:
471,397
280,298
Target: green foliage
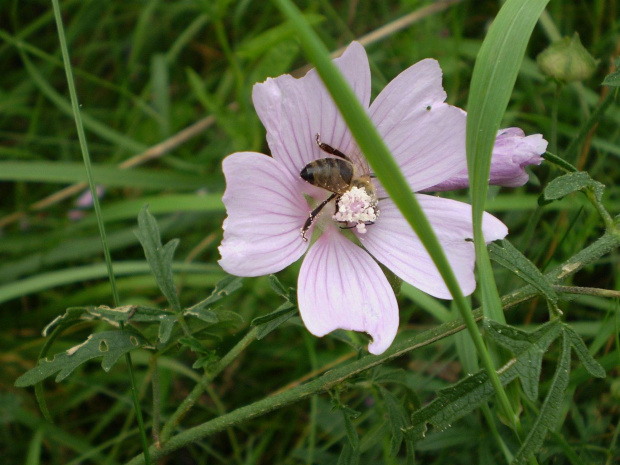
165,93
159,257
510,258
572,182
110,345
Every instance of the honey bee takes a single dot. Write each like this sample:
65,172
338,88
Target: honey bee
336,175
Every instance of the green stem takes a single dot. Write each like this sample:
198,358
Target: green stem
97,207
209,376
554,117
334,377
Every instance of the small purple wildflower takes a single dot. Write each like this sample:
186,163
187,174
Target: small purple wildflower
512,152
340,283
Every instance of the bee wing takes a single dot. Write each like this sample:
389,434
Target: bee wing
359,161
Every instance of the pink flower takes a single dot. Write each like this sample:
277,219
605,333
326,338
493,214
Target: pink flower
512,152
340,283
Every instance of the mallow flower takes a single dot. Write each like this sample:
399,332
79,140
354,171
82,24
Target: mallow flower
341,284
512,152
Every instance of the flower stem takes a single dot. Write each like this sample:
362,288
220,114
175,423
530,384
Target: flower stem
207,377
93,190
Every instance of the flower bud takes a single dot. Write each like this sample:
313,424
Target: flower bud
567,60
512,152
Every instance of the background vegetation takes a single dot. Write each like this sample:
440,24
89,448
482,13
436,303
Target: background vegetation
164,89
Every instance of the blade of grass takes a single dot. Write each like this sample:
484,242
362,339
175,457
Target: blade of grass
93,190
494,75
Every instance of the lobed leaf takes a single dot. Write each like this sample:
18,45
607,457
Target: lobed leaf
470,393
397,418
513,260
528,348
572,182
110,345
159,257
613,79
580,348
551,408
274,319
223,288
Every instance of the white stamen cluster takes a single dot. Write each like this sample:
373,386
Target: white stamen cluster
356,206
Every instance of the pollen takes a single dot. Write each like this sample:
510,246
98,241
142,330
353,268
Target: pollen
357,207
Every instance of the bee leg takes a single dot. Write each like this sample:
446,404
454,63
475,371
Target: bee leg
329,149
313,214
367,223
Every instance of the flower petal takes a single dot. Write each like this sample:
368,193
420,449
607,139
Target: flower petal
266,211
392,242
425,135
294,110
341,286
512,152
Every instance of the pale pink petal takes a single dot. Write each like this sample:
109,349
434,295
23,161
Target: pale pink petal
341,286
512,152
425,135
266,211
391,241
294,110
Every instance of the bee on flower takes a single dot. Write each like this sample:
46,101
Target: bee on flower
317,184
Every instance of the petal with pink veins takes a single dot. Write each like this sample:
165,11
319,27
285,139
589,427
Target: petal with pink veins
425,135
266,211
340,286
392,242
294,110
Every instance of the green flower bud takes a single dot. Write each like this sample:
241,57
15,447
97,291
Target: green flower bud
567,60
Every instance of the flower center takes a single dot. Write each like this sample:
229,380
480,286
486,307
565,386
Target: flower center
358,207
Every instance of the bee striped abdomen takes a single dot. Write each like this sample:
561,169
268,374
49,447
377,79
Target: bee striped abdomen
332,174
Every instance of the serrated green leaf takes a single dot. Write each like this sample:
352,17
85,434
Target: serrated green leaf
110,345
528,349
223,288
193,344
114,316
204,314
470,393
572,182
158,257
551,408
397,417
274,319
349,456
278,287
612,79
580,348
165,329
512,259
354,438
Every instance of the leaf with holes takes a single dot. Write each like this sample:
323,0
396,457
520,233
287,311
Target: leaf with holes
110,345
115,316
159,257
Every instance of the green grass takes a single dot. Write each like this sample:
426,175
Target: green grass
147,70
